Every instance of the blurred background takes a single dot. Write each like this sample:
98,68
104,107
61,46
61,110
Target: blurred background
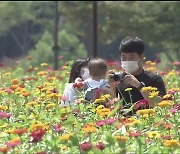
32,33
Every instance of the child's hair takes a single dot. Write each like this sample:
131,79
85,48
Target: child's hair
76,67
97,67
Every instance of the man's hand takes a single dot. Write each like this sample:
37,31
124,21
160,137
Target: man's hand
110,77
130,79
111,83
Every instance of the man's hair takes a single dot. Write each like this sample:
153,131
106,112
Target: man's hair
97,67
130,45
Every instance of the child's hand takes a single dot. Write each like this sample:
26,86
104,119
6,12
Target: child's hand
78,80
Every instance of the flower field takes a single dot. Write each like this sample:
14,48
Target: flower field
32,119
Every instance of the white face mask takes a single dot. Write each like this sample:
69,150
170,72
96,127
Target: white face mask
85,73
130,66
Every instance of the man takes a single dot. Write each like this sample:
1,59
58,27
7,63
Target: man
134,75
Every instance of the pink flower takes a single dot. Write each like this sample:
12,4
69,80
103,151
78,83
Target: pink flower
110,121
58,128
64,98
100,146
37,135
5,115
135,134
13,143
141,104
100,123
173,110
85,146
9,91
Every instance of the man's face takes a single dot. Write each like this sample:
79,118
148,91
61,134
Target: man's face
130,56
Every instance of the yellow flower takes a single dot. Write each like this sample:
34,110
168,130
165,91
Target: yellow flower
4,126
107,96
146,111
7,74
153,94
32,104
66,137
135,122
42,73
103,112
35,68
150,111
140,112
9,131
3,107
153,134
64,148
149,88
38,126
128,89
171,143
131,119
100,107
166,96
98,100
121,138
89,128
164,104
65,109
148,62
145,116
151,69
44,64
50,106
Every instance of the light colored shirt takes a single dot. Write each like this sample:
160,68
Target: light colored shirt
70,95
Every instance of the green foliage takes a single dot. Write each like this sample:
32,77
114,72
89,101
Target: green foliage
43,52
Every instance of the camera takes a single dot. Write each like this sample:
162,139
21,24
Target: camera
119,76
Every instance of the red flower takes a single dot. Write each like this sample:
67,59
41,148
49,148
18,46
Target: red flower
166,137
135,134
100,146
37,135
141,104
1,65
78,85
85,146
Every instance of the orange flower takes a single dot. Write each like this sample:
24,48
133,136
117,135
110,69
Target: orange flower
4,149
168,126
13,87
89,128
20,131
14,81
25,94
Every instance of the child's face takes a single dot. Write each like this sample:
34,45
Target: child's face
84,72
